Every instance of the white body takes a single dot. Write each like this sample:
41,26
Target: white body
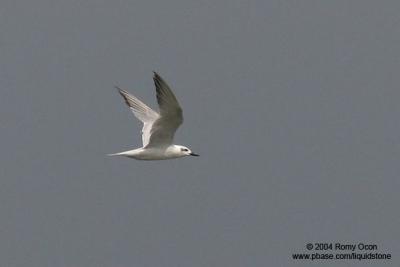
158,128
170,152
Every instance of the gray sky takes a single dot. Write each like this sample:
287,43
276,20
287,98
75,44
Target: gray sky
292,105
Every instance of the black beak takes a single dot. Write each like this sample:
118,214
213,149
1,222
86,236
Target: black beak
193,154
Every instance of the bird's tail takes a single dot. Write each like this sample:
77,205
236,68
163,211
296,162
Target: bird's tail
116,154
129,153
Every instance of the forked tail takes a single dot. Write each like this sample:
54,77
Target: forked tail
116,154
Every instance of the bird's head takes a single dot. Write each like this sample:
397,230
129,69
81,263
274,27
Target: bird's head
186,151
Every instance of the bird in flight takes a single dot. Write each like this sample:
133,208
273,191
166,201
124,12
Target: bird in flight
158,128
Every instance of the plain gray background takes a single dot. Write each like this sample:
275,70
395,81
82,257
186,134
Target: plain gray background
292,105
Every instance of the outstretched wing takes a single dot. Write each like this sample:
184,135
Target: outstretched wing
163,129
142,112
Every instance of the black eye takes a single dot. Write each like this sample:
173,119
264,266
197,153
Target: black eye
184,149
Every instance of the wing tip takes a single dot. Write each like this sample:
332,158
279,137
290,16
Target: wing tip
119,89
157,78
122,92
124,95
